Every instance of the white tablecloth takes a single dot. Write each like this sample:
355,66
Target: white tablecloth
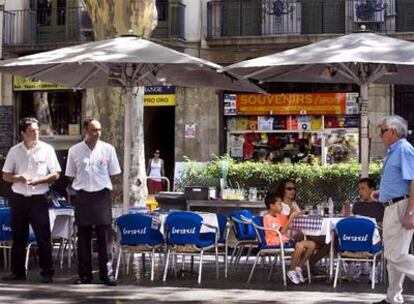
328,226
61,222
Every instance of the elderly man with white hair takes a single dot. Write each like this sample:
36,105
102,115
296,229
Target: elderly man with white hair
397,194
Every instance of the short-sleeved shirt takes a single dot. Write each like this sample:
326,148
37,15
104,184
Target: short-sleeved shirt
286,209
370,209
37,162
398,171
92,169
274,222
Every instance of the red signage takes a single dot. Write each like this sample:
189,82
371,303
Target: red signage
291,104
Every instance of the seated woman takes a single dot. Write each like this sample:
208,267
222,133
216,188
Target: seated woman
275,220
287,191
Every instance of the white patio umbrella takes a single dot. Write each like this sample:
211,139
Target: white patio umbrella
360,58
126,62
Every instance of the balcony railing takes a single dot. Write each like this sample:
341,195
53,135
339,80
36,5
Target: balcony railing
171,20
31,27
232,18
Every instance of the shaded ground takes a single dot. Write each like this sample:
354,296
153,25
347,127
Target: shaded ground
137,288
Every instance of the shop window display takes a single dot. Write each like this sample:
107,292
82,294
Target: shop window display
293,139
59,112
292,127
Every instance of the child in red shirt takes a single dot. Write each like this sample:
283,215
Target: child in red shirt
275,220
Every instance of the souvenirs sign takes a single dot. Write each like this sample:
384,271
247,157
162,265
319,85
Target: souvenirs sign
292,104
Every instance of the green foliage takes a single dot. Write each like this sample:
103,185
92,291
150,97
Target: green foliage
314,182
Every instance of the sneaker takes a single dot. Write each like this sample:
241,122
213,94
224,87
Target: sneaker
300,275
293,277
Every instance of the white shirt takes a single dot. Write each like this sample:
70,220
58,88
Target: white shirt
286,208
92,169
37,162
155,169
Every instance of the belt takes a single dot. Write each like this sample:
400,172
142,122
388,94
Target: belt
394,200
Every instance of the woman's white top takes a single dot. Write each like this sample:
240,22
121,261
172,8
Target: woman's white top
286,208
155,169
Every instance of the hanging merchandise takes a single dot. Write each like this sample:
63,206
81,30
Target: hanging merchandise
331,122
252,124
231,124
279,123
236,143
304,122
265,123
341,122
248,147
292,123
351,122
263,138
242,123
316,122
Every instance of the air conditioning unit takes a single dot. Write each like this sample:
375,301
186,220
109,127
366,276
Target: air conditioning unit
369,11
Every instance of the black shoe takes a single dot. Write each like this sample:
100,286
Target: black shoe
14,277
381,302
83,280
109,281
46,279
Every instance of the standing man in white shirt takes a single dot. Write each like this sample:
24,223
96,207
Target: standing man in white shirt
91,164
30,166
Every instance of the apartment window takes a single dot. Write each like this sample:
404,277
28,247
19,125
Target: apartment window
405,15
323,16
242,18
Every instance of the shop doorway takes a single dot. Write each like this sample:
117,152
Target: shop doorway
159,132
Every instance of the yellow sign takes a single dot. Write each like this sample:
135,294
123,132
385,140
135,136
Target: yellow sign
21,83
159,100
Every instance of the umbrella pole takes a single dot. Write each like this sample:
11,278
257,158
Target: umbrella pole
127,150
364,130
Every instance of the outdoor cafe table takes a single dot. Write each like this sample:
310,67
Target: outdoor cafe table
208,218
159,218
61,224
315,225
61,220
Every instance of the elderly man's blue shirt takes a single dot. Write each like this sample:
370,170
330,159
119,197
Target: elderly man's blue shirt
398,171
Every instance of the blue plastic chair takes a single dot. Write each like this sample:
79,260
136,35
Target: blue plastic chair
184,237
6,238
355,236
138,235
240,224
283,250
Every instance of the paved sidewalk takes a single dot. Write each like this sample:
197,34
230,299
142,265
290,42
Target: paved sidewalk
64,293
137,288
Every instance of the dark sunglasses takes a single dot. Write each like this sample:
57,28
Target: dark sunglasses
290,188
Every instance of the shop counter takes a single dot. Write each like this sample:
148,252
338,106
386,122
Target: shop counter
225,206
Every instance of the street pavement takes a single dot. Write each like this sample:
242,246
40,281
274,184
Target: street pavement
136,287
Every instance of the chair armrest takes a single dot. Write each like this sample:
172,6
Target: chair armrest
282,246
244,220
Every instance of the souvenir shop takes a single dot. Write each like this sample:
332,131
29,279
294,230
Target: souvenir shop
292,127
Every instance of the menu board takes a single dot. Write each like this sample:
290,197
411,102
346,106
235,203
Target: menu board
6,129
